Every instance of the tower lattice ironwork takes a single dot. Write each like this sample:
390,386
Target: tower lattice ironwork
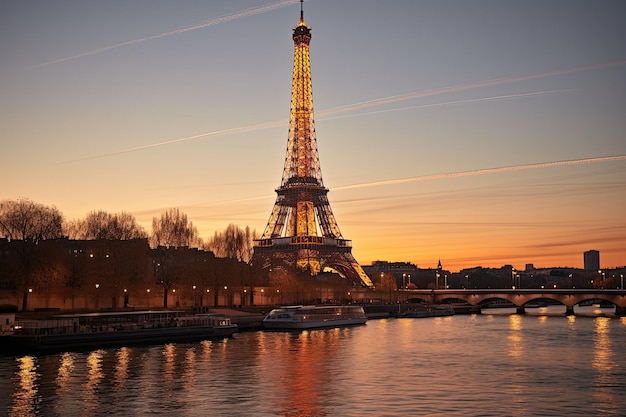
302,231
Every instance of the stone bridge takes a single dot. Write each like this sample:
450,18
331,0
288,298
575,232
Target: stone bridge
519,297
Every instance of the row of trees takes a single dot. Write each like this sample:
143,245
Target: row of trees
27,225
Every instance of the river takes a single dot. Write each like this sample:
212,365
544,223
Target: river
465,365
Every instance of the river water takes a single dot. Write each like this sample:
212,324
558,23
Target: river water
464,365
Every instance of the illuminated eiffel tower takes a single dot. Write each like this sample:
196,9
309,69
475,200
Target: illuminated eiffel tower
302,233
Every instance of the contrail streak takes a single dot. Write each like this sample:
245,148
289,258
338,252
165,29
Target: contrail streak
483,171
280,123
207,23
379,102
251,128
464,87
447,103
416,179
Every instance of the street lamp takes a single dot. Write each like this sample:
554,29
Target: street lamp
603,276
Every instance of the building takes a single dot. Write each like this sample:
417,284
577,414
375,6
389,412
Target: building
592,260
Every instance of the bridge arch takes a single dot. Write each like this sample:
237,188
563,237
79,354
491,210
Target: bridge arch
521,297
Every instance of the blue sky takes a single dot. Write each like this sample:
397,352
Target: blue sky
143,105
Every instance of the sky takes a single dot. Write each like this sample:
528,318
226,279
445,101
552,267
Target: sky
481,133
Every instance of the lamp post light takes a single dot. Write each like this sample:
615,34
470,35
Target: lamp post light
603,276
148,297
403,281
437,280
621,277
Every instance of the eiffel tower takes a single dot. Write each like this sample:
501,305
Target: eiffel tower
302,234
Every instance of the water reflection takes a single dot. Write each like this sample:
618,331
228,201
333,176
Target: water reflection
25,396
298,371
603,363
515,336
66,366
571,321
121,368
455,366
169,362
94,377
189,376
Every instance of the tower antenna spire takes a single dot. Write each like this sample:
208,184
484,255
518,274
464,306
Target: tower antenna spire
302,10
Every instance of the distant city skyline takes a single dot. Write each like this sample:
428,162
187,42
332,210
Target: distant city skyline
481,133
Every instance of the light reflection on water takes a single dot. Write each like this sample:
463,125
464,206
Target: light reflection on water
488,365
25,397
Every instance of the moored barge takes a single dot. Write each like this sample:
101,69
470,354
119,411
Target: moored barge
71,332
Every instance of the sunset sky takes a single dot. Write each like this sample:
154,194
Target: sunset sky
441,124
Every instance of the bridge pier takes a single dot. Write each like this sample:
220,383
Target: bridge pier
620,311
569,310
520,310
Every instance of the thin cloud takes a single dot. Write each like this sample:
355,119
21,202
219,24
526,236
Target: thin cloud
231,131
414,179
202,25
281,123
382,101
447,103
470,86
483,171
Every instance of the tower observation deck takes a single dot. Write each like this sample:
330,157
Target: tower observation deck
302,233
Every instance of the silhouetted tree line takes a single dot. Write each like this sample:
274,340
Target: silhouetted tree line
111,255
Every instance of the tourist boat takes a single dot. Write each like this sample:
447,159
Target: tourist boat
311,317
428,311
95,330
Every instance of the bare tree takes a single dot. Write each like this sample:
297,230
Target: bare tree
237,244
234,243
29,222
172,231
103,225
